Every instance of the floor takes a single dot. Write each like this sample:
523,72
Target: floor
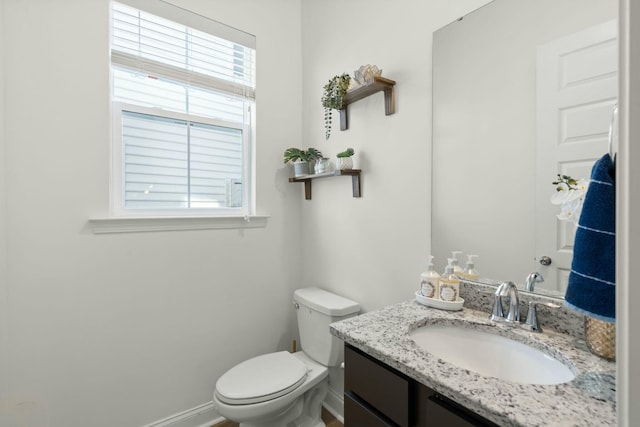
329,420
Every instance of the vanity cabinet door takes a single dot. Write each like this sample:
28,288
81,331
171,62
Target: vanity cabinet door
358,414
379,387
377,395
434,410
442,415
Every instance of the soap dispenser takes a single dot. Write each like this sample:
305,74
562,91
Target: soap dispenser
457,270
429,281
449,283
470,271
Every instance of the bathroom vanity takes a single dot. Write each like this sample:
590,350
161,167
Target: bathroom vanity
378,395
391,380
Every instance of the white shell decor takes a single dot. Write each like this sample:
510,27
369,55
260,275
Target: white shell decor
365,75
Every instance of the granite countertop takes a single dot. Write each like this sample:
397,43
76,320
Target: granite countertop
588,400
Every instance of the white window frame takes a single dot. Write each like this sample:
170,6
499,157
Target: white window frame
117,161
126,219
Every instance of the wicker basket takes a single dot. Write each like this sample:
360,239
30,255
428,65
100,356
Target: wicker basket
600,337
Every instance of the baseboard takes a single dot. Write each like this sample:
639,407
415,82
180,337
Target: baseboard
201,416
334,403
205,415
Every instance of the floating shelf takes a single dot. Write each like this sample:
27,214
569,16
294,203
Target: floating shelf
380,84
353,173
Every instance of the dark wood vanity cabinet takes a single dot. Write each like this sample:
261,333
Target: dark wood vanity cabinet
377,395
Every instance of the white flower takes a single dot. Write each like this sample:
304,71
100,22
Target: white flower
570,210
561,194
583,185
570,198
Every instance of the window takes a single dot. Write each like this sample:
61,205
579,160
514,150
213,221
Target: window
183,92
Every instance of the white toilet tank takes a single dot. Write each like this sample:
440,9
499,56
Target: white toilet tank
316,310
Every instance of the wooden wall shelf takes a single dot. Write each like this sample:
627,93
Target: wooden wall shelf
353,173
380,84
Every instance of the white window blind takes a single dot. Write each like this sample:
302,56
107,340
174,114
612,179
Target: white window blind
182,115
179,164
166,49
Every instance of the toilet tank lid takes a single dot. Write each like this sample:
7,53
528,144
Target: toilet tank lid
325,302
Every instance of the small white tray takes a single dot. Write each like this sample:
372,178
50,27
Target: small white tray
436,303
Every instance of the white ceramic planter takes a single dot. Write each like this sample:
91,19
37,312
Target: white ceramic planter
343,163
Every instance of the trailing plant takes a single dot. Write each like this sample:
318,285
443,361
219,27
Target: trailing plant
333,99
295,154
346,153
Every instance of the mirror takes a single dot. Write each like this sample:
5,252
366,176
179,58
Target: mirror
488,118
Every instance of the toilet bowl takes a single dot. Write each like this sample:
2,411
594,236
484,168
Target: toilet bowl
283,389
277,407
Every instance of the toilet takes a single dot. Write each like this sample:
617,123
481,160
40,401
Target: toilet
282,389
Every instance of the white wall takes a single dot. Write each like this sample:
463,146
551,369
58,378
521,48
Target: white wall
632,357
372,249
4,386
123,330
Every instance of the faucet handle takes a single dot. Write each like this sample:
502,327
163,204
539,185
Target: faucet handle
532,315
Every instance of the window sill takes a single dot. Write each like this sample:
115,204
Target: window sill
144,224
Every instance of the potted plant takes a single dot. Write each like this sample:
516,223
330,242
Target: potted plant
313,155
300,159
344,159
333,98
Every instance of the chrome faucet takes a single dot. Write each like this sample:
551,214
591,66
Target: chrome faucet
497,314
532,315
532,279
513,315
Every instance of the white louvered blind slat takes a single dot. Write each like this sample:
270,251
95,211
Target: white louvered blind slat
172,163
150,43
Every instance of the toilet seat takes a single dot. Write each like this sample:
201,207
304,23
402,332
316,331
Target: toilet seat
261,378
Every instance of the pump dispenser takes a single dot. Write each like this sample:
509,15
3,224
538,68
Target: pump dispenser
470,271
449,283
429,281
457,270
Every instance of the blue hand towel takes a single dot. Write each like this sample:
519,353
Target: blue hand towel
591,290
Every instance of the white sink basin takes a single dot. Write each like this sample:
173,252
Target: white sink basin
491,355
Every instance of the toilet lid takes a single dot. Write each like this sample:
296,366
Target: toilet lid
261,378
